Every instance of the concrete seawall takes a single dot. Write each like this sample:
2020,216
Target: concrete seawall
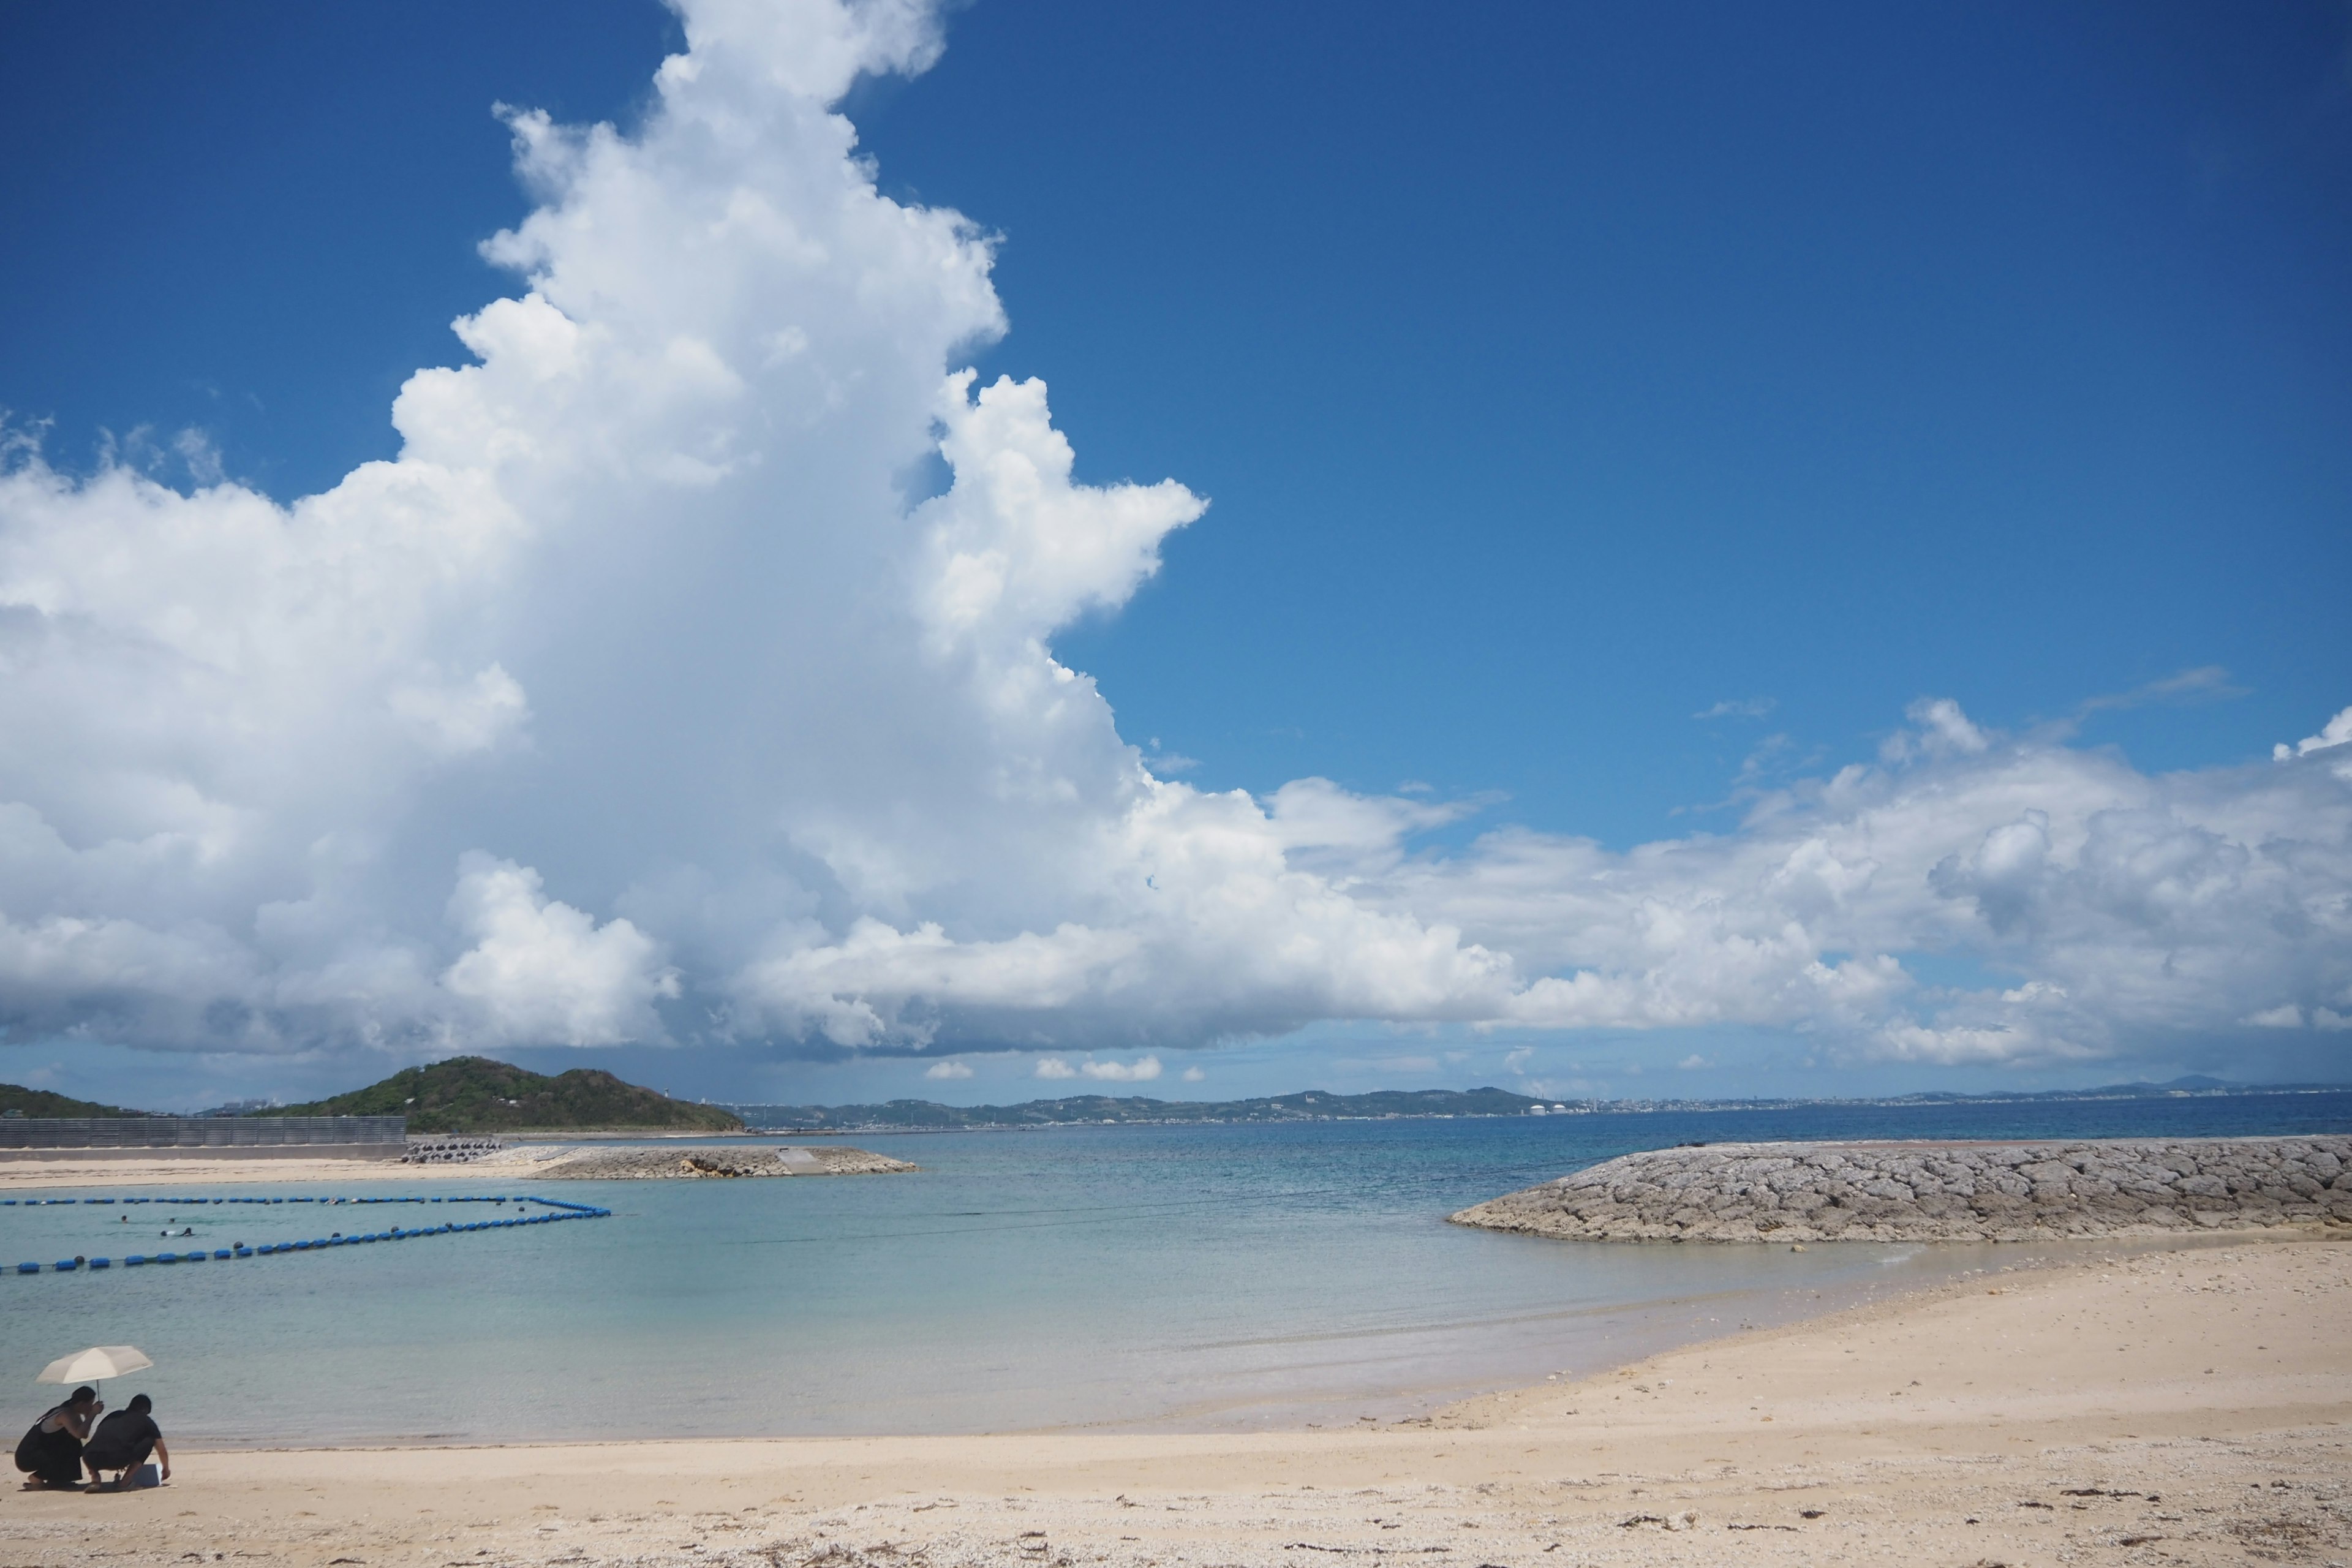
1940,1191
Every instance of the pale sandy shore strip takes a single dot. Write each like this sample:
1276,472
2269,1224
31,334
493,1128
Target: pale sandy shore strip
2168,1408
220,1172
540,1160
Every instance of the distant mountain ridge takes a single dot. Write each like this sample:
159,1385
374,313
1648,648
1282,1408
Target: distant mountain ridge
1316,1105
1313,1105
2171,1089
2194,1083
16,1100
474,1094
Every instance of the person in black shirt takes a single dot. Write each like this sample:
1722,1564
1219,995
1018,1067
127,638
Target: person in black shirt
123,1441
50,1453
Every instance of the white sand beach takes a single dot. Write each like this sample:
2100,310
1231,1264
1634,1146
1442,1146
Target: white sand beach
170,1168
584,1160
166,1169
2173,1406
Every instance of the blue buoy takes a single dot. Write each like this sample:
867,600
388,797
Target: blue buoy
558,1208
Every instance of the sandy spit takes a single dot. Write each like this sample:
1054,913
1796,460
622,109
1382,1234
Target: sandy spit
2172,1407
534,1161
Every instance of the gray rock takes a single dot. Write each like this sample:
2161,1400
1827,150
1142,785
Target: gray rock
704,1162
1787,1192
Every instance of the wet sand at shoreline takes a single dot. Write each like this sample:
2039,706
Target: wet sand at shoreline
2168,1407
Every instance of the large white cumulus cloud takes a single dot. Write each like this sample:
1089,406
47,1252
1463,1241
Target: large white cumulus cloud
641,699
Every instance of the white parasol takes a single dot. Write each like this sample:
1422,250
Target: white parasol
95,1364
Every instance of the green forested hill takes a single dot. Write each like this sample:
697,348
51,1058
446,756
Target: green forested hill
41,1103
474,1094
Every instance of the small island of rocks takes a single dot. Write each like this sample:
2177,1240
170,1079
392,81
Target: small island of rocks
702,1164
1940,1191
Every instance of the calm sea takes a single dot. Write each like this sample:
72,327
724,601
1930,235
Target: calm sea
1131,1277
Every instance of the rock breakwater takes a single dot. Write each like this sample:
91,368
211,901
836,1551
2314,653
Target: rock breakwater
1939,1192
701,1164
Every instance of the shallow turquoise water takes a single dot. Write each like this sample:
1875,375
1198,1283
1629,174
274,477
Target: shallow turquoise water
1194,1277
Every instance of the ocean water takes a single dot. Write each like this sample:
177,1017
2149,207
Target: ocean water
1087,1276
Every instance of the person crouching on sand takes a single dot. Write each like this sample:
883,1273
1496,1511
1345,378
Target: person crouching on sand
50,1453
123,1441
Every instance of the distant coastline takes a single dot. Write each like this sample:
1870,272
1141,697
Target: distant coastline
1315,1105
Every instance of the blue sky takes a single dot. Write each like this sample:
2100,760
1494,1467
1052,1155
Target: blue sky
1556,377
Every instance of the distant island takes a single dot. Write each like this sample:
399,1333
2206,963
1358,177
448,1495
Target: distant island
1315,1105
474,1094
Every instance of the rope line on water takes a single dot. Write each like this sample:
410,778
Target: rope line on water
1072,1215
282,1248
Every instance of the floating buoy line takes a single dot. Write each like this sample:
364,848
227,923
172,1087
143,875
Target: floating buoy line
560,1210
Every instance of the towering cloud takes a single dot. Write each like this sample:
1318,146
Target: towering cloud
642,698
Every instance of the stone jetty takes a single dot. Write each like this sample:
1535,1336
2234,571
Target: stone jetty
703,1163
1940,1191
448,1149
